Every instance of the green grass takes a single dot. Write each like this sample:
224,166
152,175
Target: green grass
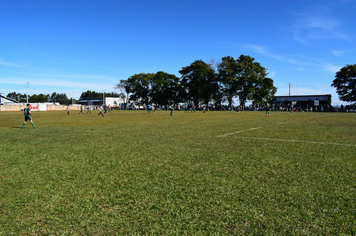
218,173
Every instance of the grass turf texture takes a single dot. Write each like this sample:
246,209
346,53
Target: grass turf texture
218,173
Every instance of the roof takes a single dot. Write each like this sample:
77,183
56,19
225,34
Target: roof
10,100
325,97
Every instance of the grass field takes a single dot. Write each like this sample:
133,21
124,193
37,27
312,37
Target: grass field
218,173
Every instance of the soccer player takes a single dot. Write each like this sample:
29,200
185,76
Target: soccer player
68,110
101,111
149,108
88,109
267,109
171,108
105,109
81,109
27,113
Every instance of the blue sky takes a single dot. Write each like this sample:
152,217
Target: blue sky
71,46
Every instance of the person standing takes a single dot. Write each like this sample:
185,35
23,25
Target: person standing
149,108
28,114
291,108
267,109
81,109
68,110
171,108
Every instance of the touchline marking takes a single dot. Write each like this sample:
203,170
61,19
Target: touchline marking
300,141
282,140
254,128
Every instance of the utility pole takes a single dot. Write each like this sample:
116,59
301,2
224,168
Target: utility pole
27,92
289,89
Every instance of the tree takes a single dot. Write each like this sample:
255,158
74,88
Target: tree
246,79
264,92
17,96
138,88
229,77
90,94
345,83
59,97
253,83
39,98
53,97
122,87
164,88
33,98
199,82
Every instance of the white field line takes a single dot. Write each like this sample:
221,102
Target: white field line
282,140
254,128
299,141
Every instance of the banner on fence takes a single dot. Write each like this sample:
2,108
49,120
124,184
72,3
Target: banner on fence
34,107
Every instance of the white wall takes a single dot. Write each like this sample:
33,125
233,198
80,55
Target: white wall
111,101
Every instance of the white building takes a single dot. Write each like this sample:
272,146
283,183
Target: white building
7,101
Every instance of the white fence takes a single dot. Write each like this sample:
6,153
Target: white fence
38,107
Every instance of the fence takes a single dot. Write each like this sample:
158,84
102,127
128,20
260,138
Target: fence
38,107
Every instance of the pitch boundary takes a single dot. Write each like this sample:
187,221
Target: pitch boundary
300,141
282,140
251,129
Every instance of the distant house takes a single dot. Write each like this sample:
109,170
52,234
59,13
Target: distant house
112,101
91,101
305,101
7,101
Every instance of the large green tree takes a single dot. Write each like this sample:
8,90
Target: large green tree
138,88
246,79
253,83
345,83
199,82
164,88
264,91
61,98
228,73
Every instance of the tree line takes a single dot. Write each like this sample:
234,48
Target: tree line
203,83
200,83
40,98
61,98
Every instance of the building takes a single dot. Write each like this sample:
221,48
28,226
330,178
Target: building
112,101
7,101
305,102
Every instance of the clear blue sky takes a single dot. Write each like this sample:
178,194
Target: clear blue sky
71,46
